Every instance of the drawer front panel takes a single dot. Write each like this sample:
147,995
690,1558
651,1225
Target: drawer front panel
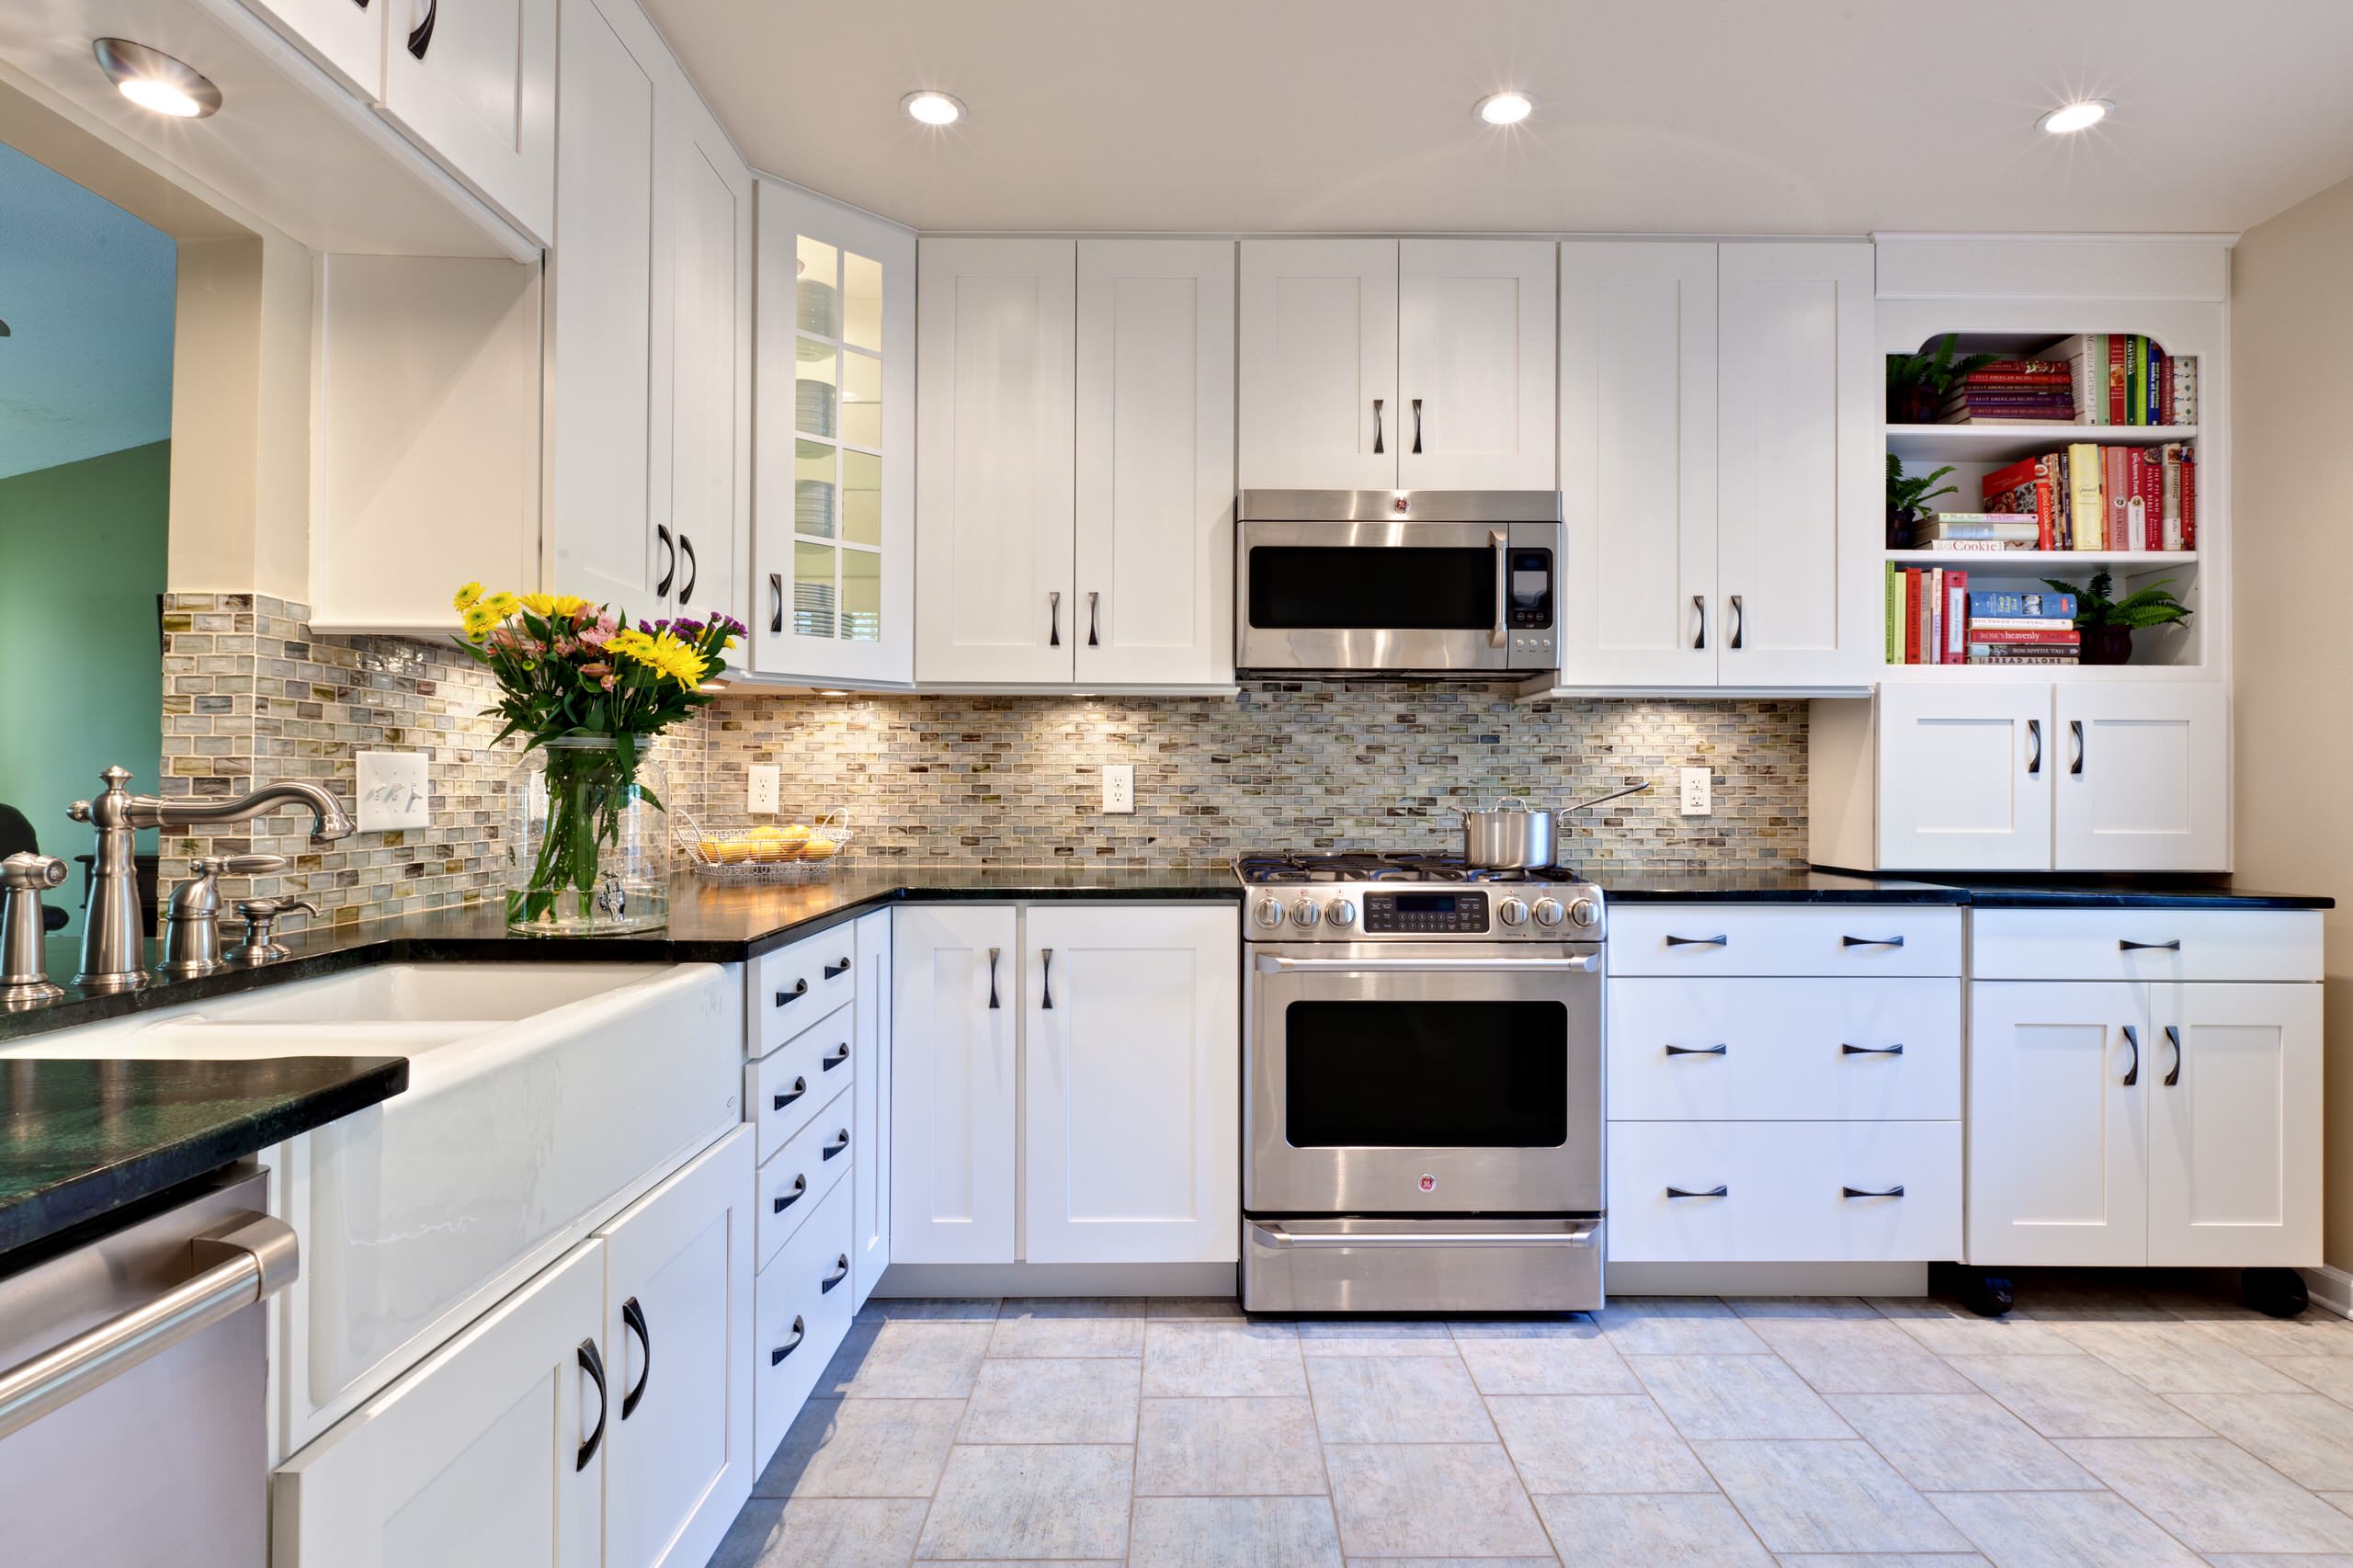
1784,1199
796,985
793,1184
2166,944
1847,939
797,1313
1745,1050
786,1085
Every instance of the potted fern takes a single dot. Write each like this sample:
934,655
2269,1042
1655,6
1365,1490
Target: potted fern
1907,499
1917,385
2108,624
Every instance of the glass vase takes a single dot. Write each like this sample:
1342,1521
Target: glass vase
588,844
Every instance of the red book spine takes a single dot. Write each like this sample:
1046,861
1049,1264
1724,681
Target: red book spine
2120,355
2046,501
2188,498
1912,617
2136,499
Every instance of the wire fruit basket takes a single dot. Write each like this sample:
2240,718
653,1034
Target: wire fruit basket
790,852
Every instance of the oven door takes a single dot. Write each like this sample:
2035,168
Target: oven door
1414,1078
1396,596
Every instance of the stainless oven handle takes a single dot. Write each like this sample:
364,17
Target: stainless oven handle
1590,963
1277,1236
1498,539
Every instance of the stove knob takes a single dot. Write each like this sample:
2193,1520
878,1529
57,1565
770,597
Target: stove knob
1585,911
1548,912
1341,913
1267,912
1304,912
1512,912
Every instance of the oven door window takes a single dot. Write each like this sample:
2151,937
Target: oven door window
1425,1075
1388,587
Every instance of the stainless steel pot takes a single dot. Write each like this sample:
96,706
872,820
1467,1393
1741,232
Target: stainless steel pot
1510,836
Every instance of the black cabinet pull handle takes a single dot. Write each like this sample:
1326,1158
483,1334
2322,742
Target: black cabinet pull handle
2173,1037
1054,618
840,1273
800,1087
2034,758
1700,607
687,549
1739,620
2132,1039
1896,1191
670,559
1418,426
633,1318
1094,619
993,1001
2075,728
800,1332
841,1141
1709,1192
839,1055
2127,945
800,989
785,1200
836,970
776,601
1376,437
1845,1049
594,1365
1870,942
1699,941
1697,1050
420,38
1046,991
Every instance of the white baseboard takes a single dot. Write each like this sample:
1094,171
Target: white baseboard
904,1279
1766,1278
2331,1288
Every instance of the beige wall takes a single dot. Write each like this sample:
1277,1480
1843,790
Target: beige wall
2291,326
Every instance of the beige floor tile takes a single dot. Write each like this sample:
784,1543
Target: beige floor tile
1596,1443
1193,1307
2075,1396
1234,1532
2341,1501
1547,1561
2093,1297
1842,1356
2307,1437
1735,1396
1008,1500
1646,1532
918,1360
2178,1357
2214,1496
1828,1497
856,1345
1853,1307
1396,1399
1675,1325
1021,1562
2277,1560
1034,1399
1210,1359
2061,1529
823,1532
1526,1358
1950,1329
1067,1327
2331,1375
928,1309
1959,1442
1374,1336
1228,1448
1431,1500
2314,1334
1881,1560
862,1447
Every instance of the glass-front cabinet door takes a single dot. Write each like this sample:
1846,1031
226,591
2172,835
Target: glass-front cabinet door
834,507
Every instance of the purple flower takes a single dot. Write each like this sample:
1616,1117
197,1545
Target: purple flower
729,624
688,631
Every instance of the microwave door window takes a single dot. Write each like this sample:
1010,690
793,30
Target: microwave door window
1397,587
1425,1075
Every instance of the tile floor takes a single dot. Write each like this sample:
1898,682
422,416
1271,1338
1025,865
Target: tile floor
2124,1422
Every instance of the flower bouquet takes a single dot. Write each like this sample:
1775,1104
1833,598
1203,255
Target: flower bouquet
588,852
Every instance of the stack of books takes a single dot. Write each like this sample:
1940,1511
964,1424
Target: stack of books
2092,497
2013,392
2126,379
1935,618
1993,530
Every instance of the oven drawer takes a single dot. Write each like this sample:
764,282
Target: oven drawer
1777,1191
1853,939
1421,1266
1784,1050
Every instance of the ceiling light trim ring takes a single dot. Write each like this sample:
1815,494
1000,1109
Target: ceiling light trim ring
129,65
935,97
2080,115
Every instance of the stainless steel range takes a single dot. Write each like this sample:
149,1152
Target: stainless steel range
1422,1109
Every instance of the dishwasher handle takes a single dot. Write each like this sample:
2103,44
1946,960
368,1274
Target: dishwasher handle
254,1259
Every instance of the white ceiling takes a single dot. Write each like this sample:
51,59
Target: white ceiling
1656,115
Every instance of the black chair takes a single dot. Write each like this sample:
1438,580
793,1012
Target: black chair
16,837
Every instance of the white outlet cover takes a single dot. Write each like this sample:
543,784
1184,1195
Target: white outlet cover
1120,787
764,788
1698,793
394,791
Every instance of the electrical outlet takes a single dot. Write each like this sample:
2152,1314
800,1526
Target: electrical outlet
766,785
393,792
1120,787
1698,793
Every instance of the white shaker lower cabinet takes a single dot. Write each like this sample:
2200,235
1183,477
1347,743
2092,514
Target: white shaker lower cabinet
955,1013
1129,1065
2234,1125
870,1169
1965,776
2142,778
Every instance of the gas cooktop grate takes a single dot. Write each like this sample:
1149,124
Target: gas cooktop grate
1365,866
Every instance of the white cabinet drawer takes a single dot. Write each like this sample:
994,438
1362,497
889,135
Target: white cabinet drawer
2144,943
1755,1050
793,1184
1785,1189
785,1087
801,1308
806,981
1715,939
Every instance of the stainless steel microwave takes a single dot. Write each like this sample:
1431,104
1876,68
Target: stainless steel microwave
1397,582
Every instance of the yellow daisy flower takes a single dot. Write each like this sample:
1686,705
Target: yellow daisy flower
466,599
478,622
540,605
500,605
570,605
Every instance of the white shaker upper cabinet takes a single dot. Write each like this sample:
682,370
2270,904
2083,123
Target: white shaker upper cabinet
1638,464
1964,775
2235,1126
2143,775
955,1013
344,36
1800,515
705,211
1475,343
1319,365
474,82
994,460
1155,463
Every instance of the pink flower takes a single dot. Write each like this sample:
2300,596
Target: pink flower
596,636
607,683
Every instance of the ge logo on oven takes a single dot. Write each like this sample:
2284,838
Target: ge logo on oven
1428,1183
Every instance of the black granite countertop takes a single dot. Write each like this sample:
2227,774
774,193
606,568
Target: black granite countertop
1786,887
2126,893
81,1139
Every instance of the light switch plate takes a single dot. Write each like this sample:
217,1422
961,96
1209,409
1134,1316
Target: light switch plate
1120,787
766,786
393,792
1698,793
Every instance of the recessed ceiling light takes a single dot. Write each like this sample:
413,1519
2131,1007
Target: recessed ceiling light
829,691
155,81
2081,115
1503,109
929,107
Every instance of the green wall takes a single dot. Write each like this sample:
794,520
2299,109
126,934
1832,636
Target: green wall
81,552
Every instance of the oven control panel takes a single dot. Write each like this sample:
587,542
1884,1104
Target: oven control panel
1454,913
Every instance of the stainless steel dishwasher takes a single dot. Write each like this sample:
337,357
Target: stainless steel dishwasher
134,1423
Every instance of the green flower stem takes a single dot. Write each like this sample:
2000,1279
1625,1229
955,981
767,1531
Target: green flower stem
586,792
